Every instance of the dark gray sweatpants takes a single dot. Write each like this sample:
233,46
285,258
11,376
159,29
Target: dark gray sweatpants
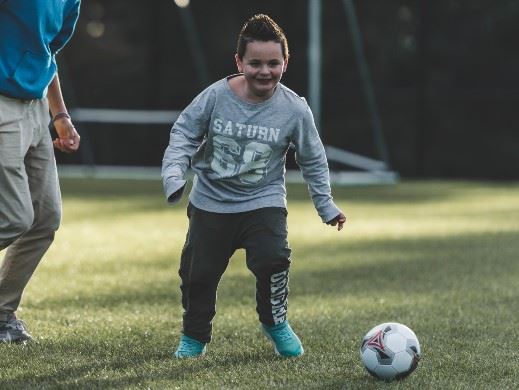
211,240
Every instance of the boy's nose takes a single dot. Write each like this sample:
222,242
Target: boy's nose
264,69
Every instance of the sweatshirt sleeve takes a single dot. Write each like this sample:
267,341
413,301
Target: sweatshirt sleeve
187,134
69,23
311,159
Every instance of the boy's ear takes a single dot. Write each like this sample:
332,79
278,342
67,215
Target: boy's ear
238,63
285,65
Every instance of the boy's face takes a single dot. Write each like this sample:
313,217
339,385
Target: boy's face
262,65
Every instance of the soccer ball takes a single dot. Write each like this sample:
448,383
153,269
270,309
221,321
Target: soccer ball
390,351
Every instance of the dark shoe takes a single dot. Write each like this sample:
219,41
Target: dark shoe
14,331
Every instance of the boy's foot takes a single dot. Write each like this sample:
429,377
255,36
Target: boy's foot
14,331
286,343
189,347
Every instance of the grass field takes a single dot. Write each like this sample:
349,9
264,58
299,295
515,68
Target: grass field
441,257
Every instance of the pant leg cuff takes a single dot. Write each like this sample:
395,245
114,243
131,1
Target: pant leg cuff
5,316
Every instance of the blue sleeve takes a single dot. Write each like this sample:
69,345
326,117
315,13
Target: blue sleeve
69,23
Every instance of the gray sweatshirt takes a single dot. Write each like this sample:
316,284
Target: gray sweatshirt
237,151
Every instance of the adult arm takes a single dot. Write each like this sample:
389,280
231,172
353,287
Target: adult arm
67,29
68,138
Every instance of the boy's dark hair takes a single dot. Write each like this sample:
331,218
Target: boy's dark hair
261,28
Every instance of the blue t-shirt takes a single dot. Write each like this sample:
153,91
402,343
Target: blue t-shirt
31,33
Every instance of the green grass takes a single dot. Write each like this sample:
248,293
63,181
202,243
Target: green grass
441,257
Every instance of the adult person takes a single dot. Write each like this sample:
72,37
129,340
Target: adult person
31,34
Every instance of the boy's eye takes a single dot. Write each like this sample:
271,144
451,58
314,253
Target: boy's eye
271,64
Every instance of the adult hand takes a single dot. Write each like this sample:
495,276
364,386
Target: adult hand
68,140
338,221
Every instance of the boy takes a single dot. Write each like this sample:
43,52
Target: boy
236,134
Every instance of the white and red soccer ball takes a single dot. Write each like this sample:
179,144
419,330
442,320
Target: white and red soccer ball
390,351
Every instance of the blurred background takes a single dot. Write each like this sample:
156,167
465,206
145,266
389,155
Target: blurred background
444,76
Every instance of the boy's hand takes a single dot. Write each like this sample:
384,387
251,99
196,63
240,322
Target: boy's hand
68,140
339,220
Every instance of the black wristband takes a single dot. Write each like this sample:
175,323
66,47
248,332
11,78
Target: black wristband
60,115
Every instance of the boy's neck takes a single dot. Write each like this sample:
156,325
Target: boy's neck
240,87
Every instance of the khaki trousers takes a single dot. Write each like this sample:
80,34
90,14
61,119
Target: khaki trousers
30,199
